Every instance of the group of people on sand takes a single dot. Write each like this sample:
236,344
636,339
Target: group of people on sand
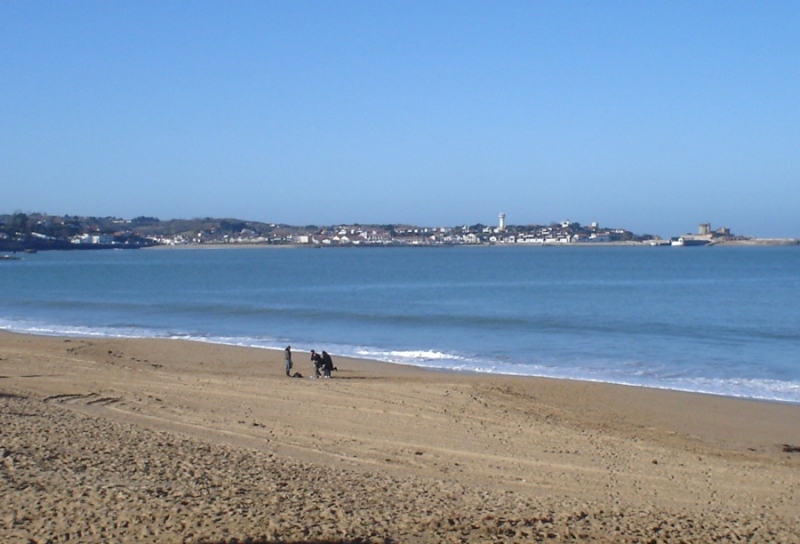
323,364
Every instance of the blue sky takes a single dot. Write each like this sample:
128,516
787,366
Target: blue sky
654,116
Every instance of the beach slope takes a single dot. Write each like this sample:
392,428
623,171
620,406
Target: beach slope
172,441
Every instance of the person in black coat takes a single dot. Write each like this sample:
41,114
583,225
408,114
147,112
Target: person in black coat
318,362
327,364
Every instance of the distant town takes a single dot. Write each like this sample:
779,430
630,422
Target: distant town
39,231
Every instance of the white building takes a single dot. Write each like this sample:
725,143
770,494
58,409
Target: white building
93,239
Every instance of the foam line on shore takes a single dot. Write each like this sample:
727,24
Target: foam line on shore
757,389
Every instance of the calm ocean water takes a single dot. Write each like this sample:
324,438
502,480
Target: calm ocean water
716,320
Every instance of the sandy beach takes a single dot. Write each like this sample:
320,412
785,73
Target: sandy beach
106,440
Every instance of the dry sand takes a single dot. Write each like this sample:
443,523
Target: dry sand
105,440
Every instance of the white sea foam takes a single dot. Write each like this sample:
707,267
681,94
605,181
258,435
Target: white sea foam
763,389
410,356
26,326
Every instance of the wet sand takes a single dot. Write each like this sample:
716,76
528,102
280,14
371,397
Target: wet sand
105,440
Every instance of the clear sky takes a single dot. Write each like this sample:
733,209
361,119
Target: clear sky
649,115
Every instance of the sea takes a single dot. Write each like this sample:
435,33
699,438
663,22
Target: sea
718,320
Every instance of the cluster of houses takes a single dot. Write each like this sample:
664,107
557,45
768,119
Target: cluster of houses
78,239
562,233
51,232
91,238
358,235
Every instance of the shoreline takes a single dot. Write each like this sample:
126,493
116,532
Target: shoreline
174,440
421,367
392,368
755,242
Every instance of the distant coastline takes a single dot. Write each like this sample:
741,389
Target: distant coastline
40,232
756,242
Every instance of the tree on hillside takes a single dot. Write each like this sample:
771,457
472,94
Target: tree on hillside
19,224
228,225
143,221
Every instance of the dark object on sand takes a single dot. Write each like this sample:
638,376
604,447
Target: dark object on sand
791,449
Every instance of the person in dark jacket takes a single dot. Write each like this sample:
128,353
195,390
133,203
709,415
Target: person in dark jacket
318,363
327,364
287,360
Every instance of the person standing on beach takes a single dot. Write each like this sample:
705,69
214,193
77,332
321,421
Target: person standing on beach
317,360
287,359
327,364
